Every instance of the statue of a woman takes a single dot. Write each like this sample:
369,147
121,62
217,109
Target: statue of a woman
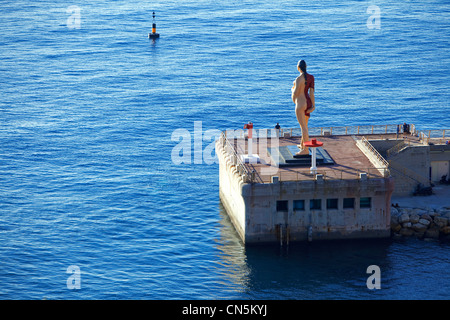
303,97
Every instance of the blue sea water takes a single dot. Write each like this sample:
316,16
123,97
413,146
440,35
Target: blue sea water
86,122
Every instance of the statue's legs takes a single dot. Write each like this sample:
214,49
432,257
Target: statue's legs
303,121
302,143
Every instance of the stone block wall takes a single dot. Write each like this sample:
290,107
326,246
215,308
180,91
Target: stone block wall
410,167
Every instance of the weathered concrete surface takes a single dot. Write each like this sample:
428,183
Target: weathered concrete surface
230,192
253,207
265,224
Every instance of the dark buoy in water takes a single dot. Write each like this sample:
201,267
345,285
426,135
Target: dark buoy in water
153,35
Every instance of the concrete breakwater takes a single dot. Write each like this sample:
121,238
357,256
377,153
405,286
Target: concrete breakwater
423,223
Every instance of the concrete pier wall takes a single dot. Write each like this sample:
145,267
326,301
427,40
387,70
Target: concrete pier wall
410,167
230,191
305,210
267,222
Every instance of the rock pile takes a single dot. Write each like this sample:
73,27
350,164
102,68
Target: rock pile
424,223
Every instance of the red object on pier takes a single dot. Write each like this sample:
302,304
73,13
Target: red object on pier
313,143
249,126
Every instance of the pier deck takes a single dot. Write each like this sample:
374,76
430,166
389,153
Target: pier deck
349,160
349,196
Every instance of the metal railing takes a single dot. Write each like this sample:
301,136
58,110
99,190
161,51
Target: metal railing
250,175
332,174
316,131
396,149
328,174
374,152
241,168
440,136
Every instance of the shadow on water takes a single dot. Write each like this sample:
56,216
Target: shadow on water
316,270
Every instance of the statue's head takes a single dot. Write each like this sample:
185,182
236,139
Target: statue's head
302,65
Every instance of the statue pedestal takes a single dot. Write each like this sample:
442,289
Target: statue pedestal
285,156
313,144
